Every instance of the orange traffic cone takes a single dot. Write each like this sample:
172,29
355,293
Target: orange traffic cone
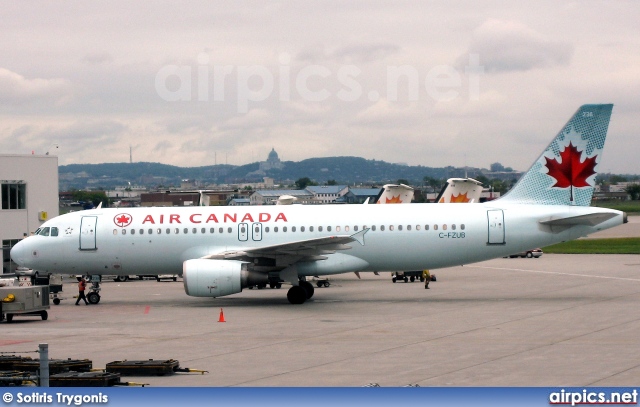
221,319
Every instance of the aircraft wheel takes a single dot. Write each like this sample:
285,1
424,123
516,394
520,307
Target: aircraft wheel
121,279
56,301
308,288
44,315
406,280
175,279
295,295
422,279
278,285
319,284
412,278
394,279
93,298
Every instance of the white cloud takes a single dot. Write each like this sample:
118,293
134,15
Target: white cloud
15,88
512,46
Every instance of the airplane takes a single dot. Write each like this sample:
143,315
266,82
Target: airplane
460,190
395,194
221,250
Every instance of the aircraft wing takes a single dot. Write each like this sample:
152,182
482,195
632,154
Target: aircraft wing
291,252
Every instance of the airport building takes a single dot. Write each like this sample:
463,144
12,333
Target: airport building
29,196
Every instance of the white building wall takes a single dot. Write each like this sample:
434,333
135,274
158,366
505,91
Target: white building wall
40,174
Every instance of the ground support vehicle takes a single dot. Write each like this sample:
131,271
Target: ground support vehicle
29,300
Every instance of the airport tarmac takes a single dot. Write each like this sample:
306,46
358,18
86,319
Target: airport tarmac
561,320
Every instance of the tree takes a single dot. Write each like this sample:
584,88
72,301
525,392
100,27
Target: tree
302,183
332,182
93,197
634,191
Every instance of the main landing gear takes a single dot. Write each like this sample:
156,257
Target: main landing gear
298,294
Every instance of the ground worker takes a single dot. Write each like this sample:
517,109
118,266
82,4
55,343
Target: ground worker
82,285
427,278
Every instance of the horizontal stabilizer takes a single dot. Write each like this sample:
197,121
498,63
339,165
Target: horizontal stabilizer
590,219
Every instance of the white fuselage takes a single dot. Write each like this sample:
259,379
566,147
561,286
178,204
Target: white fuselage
126,241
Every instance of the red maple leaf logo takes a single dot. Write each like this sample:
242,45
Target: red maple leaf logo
122,220
571,172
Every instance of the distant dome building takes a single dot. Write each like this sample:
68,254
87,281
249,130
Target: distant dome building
273,162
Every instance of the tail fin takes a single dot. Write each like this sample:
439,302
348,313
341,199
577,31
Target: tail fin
565,172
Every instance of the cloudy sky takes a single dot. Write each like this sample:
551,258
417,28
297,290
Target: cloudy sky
430,83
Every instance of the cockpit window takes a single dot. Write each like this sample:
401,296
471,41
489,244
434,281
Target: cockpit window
54,231
44,232
37,232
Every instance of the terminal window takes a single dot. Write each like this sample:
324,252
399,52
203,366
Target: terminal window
14,196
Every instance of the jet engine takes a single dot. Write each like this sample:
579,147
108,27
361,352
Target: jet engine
217,278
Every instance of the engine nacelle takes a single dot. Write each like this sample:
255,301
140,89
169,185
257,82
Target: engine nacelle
217,278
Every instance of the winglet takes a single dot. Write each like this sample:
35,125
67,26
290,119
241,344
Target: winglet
359,237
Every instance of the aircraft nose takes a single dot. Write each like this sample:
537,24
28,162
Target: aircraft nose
19,253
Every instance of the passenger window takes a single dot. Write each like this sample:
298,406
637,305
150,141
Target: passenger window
275,229
186,231
243,229
417,227
453,227
266,229
462,227
355,228
310,228
346,228
115,232
426,227
203,230
150,231
159,231
293,229
124,231
176,231
54,231
229,230
133,231
301,229
373,228
444,227
221,230
284,228
212,230
435,227
337,228
319,228
328,228
391,228
168,231
399,227
382,228
142,231
408,227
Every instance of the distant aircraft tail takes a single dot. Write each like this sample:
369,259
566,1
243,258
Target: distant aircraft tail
565,172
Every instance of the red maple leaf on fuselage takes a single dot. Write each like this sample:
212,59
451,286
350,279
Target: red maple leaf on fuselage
123,220
571,172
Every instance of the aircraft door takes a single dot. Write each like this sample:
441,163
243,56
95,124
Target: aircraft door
495,218
243,232
256,229
88,233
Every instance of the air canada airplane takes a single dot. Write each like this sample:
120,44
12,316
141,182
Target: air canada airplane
221,250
